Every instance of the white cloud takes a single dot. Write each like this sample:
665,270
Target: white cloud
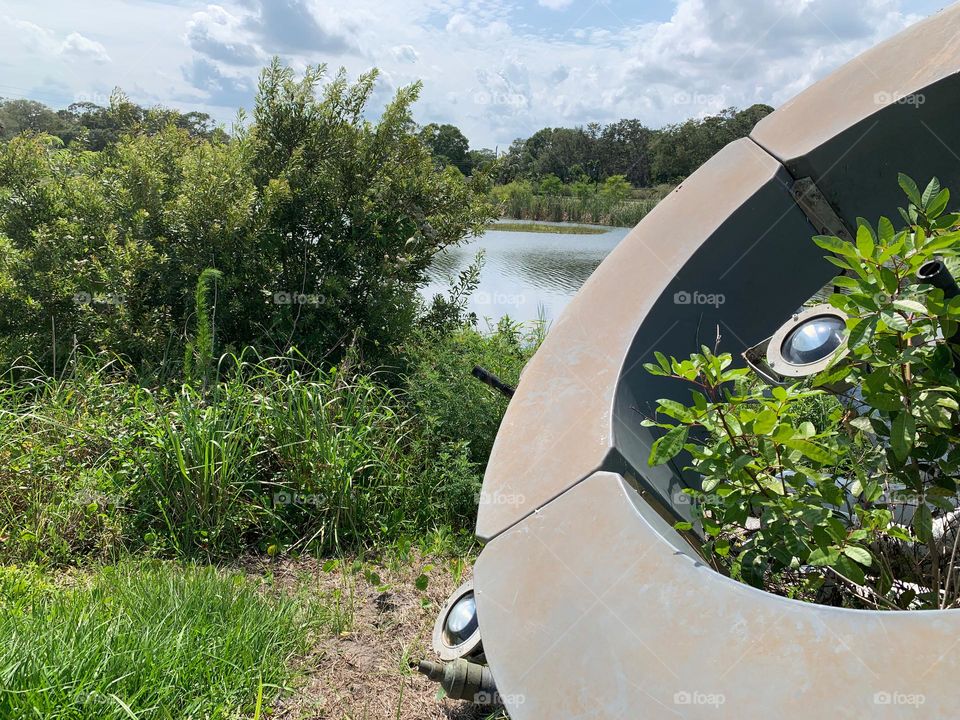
555,4
219,35
484,67
303,26
81,47
405,53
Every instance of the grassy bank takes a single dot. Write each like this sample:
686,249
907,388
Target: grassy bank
274,456
553,229
113,486
299,639
519,201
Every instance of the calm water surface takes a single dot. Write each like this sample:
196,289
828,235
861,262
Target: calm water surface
524,271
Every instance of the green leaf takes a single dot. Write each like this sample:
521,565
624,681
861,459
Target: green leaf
845,281
812,450
938,204
865,242
858,554
677,411
422,582
910,188
910,306
822,557
923,523
932,190
885,231
849,570
862,332
765,422
669,446
903,435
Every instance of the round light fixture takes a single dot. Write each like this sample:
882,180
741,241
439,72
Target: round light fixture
456,633
806,343
813,340
461,621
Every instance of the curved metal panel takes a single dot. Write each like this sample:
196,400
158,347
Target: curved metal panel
588,610
697,261
892,109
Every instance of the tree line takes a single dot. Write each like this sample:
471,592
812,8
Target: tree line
643,156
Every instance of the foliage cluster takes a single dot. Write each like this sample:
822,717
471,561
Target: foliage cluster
845,486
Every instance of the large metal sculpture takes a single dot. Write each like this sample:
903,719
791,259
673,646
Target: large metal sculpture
590,604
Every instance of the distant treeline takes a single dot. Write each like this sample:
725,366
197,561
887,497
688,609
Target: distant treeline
95,125
646,157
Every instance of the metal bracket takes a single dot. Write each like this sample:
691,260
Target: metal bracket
818,209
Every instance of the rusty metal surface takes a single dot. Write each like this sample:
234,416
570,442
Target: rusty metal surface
590,604
574,410
588,610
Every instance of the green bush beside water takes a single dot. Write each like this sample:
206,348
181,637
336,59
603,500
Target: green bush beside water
213,346
275,456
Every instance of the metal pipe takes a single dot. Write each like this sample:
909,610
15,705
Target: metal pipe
463,680
488,378
934,272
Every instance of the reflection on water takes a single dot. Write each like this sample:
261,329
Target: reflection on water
524,271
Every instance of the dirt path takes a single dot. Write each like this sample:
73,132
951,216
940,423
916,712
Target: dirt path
364,672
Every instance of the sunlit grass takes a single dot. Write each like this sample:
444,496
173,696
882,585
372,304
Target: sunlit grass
558,229
148,642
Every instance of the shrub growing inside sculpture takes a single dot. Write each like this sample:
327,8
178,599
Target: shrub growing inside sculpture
842,488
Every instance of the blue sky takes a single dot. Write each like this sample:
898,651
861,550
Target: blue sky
498,69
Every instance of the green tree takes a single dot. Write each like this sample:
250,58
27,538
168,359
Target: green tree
551,185
321,222
449,146
615,188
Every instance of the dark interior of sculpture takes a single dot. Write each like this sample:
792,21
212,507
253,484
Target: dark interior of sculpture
759,264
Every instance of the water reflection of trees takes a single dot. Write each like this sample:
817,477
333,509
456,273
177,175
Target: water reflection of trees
552,270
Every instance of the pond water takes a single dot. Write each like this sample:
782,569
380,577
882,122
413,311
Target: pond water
525,273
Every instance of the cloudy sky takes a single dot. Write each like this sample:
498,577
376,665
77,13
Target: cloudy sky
498,69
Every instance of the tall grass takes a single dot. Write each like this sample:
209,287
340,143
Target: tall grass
274,456
201,470
150,643
519,201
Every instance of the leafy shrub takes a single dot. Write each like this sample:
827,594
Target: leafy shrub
851,477
104,249
452,404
